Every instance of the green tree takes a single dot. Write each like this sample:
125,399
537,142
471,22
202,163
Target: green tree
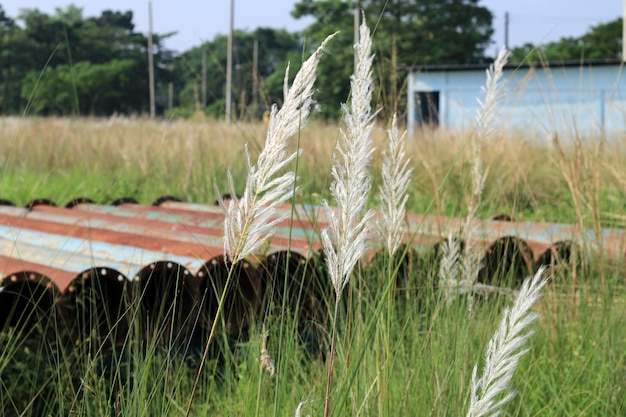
603,41
274,48
58,90
406,32
92,58
9,83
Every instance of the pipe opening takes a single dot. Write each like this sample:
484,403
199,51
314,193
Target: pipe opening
32,337
561,257
94,307
167,300
295,289
164,199
124,200
225,198
430,261
557,254
39,202
79,200
404,265
502,217
290,279
436,252
507,262
28,302
243,298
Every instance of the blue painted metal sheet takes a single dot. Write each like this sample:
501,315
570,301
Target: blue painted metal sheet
127,259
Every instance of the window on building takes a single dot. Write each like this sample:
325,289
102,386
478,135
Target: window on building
427,108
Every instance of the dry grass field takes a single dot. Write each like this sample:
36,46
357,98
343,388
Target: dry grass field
527,176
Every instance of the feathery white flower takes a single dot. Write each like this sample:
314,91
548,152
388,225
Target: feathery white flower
493,90
449,267
351,183
491,392
396,176
485,115
454,267
250,219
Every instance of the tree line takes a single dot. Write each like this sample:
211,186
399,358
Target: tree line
66,63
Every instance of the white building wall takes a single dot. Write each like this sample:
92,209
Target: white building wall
579,99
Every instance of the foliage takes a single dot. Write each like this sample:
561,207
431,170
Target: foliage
99,63
37,49
274,45
405,33
603,41
85,88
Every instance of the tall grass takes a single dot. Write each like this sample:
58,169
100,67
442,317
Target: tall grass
576,362
464,280
104,159
250,219
345,238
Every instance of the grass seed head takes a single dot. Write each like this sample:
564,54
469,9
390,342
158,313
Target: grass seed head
491,391
250,219
351,181
396,176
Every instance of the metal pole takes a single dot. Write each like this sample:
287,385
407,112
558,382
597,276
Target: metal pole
229,64
624,31
151,63
255,72
506,29
170,96
203,77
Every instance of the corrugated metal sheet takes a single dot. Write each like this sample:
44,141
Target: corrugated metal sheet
91,257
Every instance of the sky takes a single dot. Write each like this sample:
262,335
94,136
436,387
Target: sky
195,21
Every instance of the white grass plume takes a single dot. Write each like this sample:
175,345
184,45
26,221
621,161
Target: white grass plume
351,183
449,267
396,176
485,116
493,92
469,260
250,219
350,187
491,392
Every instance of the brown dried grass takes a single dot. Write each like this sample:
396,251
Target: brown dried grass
525,176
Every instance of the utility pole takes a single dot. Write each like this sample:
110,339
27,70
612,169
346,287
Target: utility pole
624,31
229,64
255,71
151,63
506,29
203,77
170,96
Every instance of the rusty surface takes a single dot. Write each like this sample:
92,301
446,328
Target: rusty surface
172,252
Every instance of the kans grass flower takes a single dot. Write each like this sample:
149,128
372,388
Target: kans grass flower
491,392
469,259
396,176
345,239
250,219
